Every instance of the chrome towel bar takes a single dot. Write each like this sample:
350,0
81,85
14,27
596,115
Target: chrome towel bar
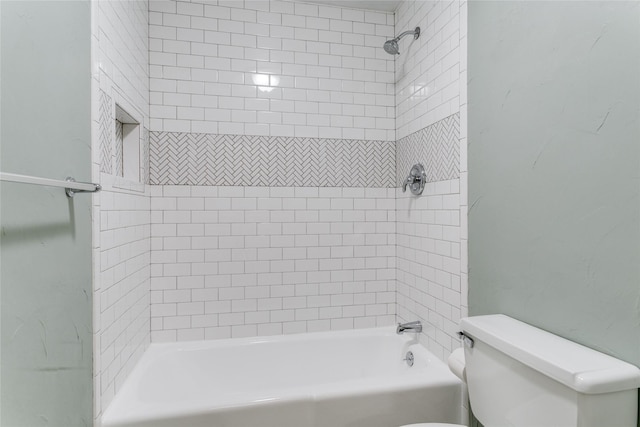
70,185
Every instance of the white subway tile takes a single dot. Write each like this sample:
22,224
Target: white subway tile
366,97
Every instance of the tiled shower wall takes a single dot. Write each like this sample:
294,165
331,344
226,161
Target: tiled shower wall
282,96
246,261
313,237
273,141
431,129
121,211
271,68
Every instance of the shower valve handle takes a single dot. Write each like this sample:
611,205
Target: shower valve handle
416,180
410,181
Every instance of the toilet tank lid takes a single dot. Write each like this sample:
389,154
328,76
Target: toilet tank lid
581,368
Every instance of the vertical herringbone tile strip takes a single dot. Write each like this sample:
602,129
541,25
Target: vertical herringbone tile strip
198,159
219,170
389,166
323,160
288,162
208,159
182,158
119,142
299,157
437,147
250,161
239,160
145,155
337,165
311,172
277,158
178,160
360,173
105,127
380,170
156,157
167,158
260,154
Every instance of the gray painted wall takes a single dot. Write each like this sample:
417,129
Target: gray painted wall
45,238
554,168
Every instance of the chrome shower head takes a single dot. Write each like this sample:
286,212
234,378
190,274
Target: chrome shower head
391,46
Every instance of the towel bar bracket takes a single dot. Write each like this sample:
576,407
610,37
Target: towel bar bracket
70,192
70,185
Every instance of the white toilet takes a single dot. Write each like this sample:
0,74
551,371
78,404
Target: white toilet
522,376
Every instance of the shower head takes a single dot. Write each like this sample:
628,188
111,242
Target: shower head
391,46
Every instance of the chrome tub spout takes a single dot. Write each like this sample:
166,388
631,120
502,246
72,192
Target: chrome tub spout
415,326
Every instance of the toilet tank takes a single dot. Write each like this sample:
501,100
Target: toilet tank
519,375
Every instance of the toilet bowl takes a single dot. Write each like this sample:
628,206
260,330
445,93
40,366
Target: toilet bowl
434,425
519,375
456,365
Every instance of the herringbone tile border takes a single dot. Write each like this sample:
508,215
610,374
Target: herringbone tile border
437,147
119,146
181,158
145,155
105,127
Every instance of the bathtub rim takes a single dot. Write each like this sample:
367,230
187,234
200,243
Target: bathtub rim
408,340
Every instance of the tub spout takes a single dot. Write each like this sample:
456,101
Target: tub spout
415,326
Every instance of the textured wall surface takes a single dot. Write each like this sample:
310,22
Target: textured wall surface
45,238
554,126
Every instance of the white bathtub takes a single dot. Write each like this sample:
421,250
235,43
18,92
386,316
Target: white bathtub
329,379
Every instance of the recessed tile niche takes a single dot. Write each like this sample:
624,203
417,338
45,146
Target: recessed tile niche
127,150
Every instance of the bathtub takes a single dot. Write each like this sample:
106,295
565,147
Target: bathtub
329,379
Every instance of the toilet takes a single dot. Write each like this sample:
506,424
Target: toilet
521,376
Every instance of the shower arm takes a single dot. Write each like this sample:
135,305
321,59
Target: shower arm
416,34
